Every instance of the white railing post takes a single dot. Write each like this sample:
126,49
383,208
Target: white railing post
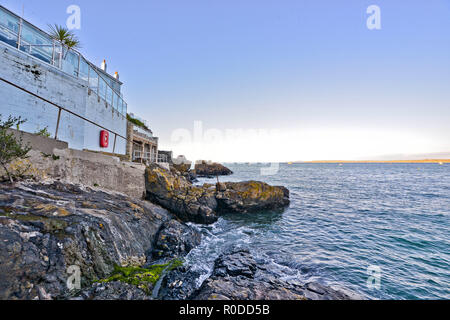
19,35
53,52
79,65
60,56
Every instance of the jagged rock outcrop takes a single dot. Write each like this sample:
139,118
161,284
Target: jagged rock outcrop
185,171
175,193
47,227
237,276
250,196
211,170
175,240
204,204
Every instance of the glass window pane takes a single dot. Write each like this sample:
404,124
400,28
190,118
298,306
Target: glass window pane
120,106
116,86
102,89
93,79
116,102
36,43
9,28
9,21
125,107
70,62
108,95
84,70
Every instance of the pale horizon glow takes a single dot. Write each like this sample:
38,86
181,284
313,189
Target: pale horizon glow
253,145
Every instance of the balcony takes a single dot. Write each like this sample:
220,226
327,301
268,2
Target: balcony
27,38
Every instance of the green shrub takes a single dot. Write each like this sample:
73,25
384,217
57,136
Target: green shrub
137,122
43,133
11,148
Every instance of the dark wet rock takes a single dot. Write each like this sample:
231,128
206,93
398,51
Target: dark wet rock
237,263
204,204
115,290
175,239
211,170
45,228
237,276
180,284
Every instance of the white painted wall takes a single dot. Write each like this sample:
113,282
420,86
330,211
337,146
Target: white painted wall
64,90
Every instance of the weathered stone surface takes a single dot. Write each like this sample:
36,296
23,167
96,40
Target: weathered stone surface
180,284
175,193
45,228
204,204
185,171
83,167
211,170
237,263
114,291
175,239
237,276
251,196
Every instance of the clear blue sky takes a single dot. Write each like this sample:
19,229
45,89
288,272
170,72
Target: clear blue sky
309,69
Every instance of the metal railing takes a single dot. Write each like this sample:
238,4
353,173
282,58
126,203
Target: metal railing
61,109
27,38
143,133
147,156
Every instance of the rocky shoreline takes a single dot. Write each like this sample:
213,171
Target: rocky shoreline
130,249
211,170
204,204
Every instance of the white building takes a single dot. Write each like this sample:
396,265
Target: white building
58,89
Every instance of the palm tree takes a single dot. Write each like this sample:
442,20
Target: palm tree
65,36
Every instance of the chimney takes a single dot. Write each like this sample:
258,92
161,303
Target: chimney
116,75
103,66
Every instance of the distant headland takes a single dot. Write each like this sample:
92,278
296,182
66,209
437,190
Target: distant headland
379,161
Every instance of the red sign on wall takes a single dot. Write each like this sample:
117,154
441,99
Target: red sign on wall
104,139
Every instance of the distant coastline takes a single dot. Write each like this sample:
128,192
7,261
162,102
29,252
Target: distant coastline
378,161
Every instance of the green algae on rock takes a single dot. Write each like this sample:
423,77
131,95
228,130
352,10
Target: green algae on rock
143,278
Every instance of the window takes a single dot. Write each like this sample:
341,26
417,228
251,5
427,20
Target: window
70,62
36,43
93,79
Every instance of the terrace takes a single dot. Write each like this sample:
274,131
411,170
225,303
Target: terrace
22,35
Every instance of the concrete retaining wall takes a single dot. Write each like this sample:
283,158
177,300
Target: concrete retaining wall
62,89
40,143
51,159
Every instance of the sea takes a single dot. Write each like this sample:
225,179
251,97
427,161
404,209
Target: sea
378,231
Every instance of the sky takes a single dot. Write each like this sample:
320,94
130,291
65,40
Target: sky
267,80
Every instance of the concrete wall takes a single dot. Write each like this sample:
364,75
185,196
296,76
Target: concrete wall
81,167
98,111
42,144
64,90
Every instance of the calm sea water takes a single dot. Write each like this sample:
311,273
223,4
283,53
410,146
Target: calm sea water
343,220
